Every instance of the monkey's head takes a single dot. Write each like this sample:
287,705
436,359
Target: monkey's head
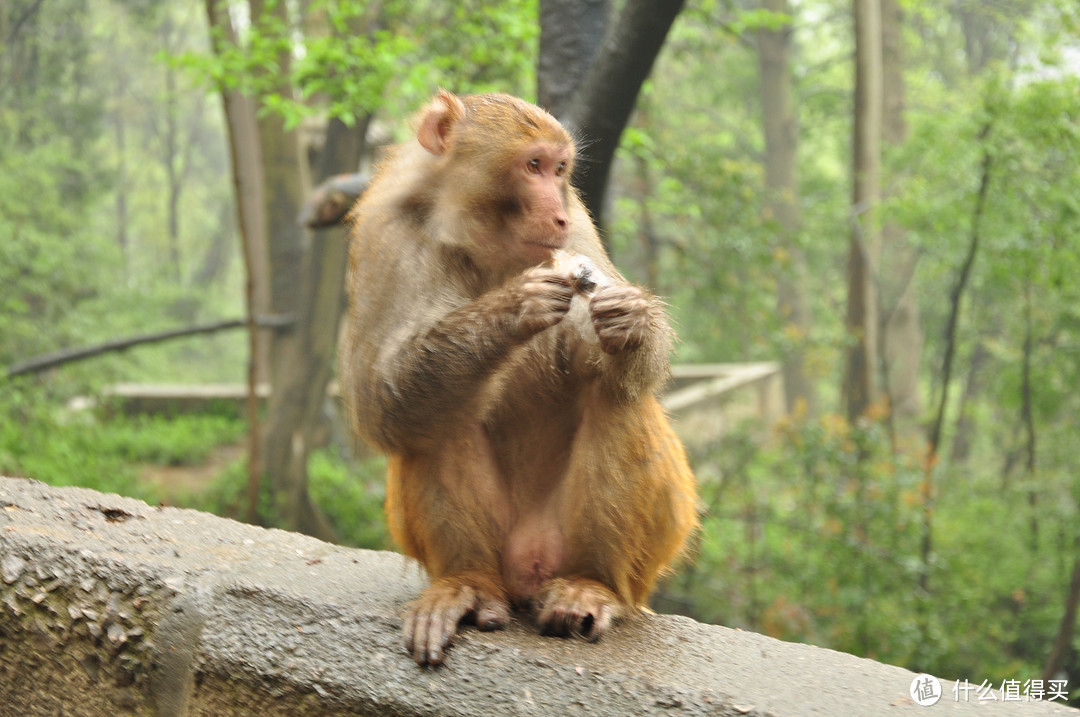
504,167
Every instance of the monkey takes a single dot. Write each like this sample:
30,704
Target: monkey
530,465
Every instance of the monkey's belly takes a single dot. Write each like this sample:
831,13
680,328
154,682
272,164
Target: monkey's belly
533,554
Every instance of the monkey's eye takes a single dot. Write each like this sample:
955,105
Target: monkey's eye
560,169
534,166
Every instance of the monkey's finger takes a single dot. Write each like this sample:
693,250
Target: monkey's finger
620,308
583,611
545,275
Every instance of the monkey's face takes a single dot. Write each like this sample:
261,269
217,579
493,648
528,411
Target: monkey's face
534,212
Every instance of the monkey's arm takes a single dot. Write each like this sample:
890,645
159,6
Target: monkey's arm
439,375
633,336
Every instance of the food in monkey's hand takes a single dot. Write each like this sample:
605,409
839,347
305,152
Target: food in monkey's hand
585,277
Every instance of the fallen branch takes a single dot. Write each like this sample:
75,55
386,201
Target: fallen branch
37,364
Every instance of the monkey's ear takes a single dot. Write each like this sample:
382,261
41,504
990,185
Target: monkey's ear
437,119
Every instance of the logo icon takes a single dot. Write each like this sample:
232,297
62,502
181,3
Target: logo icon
925,690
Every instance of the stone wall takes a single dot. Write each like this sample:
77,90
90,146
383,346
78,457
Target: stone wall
111,607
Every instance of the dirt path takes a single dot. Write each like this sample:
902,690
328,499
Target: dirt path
173,482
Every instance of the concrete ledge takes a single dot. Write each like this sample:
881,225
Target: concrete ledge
112,607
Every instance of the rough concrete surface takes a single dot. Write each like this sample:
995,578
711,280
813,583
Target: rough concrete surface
109,607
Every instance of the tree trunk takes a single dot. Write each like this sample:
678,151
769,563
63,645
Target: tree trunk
121,180
570,35
1062,642
606,96
171,157
251,220
860,385
965,425
951,327
292,261
903,334
1027,416
781,187
305,367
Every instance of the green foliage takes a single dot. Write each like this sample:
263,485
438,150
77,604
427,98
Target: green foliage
350,494
181,440
108,452
56,271
812,538
39,441
75,270
52,289
815,535
343,57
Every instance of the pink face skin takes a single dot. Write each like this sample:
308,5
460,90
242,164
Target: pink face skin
543,172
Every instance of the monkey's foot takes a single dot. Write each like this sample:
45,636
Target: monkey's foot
577,607
432,620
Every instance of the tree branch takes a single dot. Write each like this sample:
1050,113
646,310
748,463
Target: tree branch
947,363
40,363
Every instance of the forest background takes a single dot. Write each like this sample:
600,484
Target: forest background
883,195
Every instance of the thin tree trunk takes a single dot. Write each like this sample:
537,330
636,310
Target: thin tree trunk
305,367
860,385
286,182
172,172
284,441
247,175
121,180
902,331
1062,642
965,425
1027,415
955,298
781,186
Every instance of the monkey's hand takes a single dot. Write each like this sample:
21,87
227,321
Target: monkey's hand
622,317
577,607
545,296
433,619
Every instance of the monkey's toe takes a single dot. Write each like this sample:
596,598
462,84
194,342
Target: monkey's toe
492,615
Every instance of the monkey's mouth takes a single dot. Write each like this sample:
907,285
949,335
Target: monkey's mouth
554,243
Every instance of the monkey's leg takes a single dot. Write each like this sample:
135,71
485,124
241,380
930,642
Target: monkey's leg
448,518
628,504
